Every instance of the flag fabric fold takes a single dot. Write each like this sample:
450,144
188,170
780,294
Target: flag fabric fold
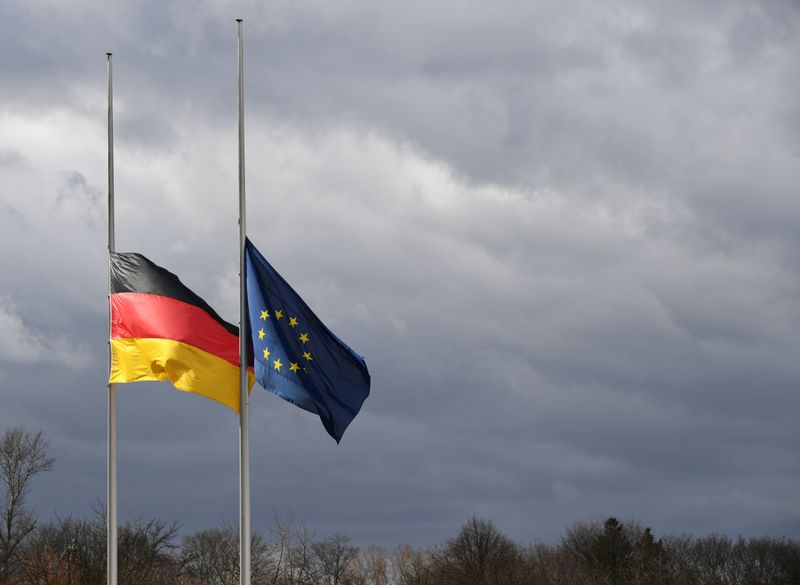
295,355
161,330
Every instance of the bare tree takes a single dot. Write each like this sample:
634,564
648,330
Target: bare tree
146,552
211,557
411,566
479,555
334,556
292,556
22,456
376,566
56,554
303,570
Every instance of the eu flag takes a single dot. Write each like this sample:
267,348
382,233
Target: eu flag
295,355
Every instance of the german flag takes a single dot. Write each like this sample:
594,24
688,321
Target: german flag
161,330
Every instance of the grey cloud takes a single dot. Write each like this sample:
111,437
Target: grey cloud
13,214
79,202
20,344
12,160
564,236
146,130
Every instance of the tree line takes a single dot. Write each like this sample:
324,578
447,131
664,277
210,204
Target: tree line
72,551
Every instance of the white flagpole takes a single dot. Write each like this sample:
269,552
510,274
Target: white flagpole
244,434
111,503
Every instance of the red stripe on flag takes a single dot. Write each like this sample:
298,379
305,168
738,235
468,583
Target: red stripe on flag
142,315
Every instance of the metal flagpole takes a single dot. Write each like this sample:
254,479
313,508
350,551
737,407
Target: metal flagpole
111,513
244,433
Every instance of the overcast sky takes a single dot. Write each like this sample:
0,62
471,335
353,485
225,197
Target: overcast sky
565,236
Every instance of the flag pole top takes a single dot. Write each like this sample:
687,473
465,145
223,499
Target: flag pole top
239,19
109,54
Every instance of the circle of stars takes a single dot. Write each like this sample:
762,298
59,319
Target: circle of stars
302,337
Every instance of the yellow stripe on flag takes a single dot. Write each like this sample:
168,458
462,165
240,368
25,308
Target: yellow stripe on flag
188,368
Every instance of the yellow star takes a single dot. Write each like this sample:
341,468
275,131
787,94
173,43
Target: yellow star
293,367
278,314
292,321
303,337
307,355
277,363
266,353
261,334
264,315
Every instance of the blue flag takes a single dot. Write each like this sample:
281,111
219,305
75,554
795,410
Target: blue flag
295,355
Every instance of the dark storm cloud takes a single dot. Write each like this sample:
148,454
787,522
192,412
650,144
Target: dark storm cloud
564,236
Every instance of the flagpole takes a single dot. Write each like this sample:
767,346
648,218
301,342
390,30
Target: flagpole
244,434
111,513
